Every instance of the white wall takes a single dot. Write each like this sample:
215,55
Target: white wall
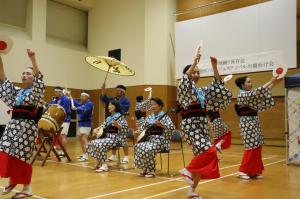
118,24
264,27
159,35
61,64
141,28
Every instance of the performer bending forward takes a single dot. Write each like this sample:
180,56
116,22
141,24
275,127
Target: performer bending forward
249,102
115,130
193,100
17,142
159,132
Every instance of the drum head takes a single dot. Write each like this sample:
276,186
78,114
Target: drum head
48,124
57,106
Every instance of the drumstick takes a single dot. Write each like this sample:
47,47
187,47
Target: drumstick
71,98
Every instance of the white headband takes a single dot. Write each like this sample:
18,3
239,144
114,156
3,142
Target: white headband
123,90
85,94
58,90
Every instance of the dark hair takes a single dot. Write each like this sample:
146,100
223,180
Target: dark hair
158,101
139,98
240,81
186,68
116,103
121,87
59,87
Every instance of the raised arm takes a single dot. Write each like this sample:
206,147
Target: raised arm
31,56
195,62
273,82
214,64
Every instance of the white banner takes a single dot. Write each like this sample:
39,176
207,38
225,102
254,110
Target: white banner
249,63
248,31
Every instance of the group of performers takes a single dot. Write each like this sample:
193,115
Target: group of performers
199,110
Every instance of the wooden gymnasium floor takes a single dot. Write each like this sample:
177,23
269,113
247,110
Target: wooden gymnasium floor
77,180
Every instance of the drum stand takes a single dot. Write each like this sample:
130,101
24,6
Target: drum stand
48,137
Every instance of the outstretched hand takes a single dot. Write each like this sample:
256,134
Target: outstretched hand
214,61
31,54
197,55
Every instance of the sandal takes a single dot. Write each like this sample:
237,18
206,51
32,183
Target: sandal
150,175
101,170
243,176
22,195
193,195
8,189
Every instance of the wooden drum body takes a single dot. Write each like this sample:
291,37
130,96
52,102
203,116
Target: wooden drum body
53,118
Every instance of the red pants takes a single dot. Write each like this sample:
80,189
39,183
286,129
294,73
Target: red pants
18,171
205,164
252,163
226,140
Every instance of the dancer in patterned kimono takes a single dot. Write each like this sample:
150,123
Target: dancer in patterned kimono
220,132
125,105
194,123
115,136
159,138
249,103
17,142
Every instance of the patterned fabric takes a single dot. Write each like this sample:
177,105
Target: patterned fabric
218,128
145,152
19,136
216,95
259,99
195,129
98,148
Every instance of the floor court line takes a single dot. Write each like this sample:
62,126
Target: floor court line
134,188
126,172
130,189
133,173
181,188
